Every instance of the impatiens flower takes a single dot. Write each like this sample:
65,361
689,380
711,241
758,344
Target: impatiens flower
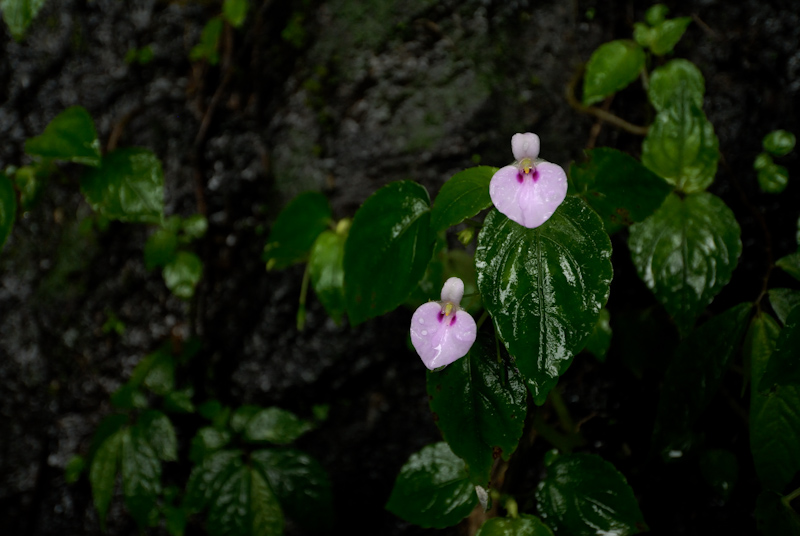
529,190
442,332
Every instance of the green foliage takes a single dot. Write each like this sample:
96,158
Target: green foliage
19,14
479,403
326,269
244,506
183,274
463,196
790,264
686,252
142,56
662,36
8,208
70,136
75,467
433,489
584,495
387,251
783,300
784,365
611,68
675,80
598,342
779,142
274,425
544,287
235,11
524,525
772,178
297,227
208,47
775,515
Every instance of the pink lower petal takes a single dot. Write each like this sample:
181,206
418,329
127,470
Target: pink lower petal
439,343
530,202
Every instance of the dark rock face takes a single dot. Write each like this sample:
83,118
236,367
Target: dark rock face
357,95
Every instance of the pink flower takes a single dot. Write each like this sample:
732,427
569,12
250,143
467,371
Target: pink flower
529,190
442,332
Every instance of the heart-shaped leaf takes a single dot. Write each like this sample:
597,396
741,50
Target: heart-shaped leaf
461,197
244,506
297,227
676,79
612,66
69,136
141,475
19,14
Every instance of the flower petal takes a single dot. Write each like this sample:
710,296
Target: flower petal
525,145
453,291
439,340
529,202
504,190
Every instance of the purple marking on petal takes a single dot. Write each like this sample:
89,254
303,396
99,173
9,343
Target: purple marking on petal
453,320
530,203
519,177
440,316
441,344
535,175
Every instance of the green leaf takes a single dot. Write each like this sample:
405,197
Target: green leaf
245,506
584,495
762,335
686,252
141,476
681,145
479,404
207,441
388,249
721,470
462,197
208,47
297,227
433,489
544,287
276,426
161,248
8,208
762,161
242,416
618,187
235,11
612,67
128,186
208,477
195,226
790,264
779,142
175,520
599,341
157,430
784,365
775,517
326,268
160,376
674,80
783,300
773,179
128,397
180,401
301,485
524,525
693,377
665,35
74,469
69,136
103,472
183,274
31,181
19,14
656,14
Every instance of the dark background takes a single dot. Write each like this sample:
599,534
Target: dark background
352,96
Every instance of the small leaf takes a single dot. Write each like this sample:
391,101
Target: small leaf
128,186
179,401
141,475
8,208
433,489
599,341
618,187
103,473
779,142
160,249
207,441
276,426
160,377
790,264
242,416
245,506
235,11
301,485
208,47
31,182
195,226
656,14
584,495
157,429
479,404
721,470
326,268
19,14
775,517
666,34
297,227
74,469
462,197
183,274
773,179
544,287
783,300
681,145
674,80
686,252
208,477
524,525
784,364
387,251
612,67
69,136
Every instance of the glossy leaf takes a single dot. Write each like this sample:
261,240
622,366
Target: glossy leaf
656,14
720,470
8,208
19,14
161,248
183,274
686,252
544,287
157,430
584,495
784,364
70,136
618,187
103,473
128,186
141,475
387,251
773,179
775,517
235,11
612,67
479,404
297,227
463,196
783,300
245,506
665,35
693,377
276,426
675,80
326,268
779,142
524,525
681,145
599,341
433,489
208,477
790,264
301,485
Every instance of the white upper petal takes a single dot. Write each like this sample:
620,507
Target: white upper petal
525,145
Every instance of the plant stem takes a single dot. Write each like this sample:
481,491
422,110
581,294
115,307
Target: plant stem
558,440
511,507
561,410
301,310
792,496
482,319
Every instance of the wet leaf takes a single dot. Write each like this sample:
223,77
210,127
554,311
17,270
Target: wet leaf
297,227
544,287
599,341
675,80
157,430
301,485
462,197
686,252
183,274
779,142
775,517
8,208
433,489
681,145
721,470
244,506
387,251
693,377
208,477
612,67
584,495
326,268
783,300
19,14
524,525
618,187
103,473
128,186
784,364
141,475
70,136
276,426
235,11
790,264
479,403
